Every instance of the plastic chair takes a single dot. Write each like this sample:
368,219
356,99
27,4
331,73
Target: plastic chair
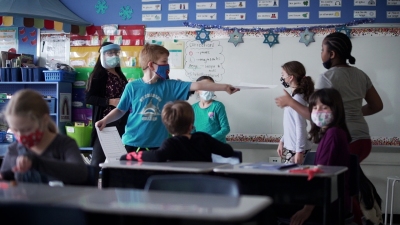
309,159
194,183
41,214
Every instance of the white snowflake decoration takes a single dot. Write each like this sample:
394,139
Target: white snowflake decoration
126,12
101,6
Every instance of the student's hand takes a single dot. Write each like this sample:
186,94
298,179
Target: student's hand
23,164
113,101
231,89
284,100
299,158
301,216
280,149
100,124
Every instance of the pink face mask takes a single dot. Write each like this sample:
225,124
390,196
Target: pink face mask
31,139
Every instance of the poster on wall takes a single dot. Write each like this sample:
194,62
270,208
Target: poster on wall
65,107
9,39
54,48
175,49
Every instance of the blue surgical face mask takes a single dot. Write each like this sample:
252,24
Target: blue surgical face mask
163,71
112,61
206,95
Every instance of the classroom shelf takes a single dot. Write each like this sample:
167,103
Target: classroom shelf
53,89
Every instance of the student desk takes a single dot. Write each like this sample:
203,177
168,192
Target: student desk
290,188
134,174
132,206
38,193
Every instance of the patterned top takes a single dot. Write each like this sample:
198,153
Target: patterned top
114,88
212,120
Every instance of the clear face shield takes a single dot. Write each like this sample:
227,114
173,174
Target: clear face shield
109,56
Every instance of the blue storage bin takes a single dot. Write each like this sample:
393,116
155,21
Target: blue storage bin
38,74
59,76
5,74
15,74
27,74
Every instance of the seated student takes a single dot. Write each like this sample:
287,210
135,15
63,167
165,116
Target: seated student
178,117
40,154
329,130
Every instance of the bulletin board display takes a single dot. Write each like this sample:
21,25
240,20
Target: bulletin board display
168,13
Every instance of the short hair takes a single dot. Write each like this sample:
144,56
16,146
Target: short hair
341,44
151,53
28,103
177,117
205,78
332,98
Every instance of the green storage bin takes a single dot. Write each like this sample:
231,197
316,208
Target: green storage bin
82,135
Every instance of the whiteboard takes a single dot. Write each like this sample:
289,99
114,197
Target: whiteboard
254,111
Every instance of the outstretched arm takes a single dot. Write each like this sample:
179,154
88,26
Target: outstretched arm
209,86
287,100
374,102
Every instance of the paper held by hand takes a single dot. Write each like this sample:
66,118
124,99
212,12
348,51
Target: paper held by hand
243,86
111,143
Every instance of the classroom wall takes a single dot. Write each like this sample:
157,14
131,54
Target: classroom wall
253,112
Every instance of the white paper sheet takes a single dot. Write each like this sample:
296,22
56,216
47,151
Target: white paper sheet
254,86
111,142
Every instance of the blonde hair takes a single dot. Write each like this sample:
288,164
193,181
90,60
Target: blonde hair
177,117
151,53
29,103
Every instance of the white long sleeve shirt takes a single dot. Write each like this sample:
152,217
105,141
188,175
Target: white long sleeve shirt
295,128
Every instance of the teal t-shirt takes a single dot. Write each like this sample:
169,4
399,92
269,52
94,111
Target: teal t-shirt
144,127
212,120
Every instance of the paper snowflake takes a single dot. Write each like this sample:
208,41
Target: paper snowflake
272,35
306,37
101,6
236,37
126,12
344,30
203,35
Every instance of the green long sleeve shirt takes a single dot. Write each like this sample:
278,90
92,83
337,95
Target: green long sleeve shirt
212,120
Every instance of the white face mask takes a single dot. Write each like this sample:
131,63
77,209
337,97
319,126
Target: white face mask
321,119
112,61
206,95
